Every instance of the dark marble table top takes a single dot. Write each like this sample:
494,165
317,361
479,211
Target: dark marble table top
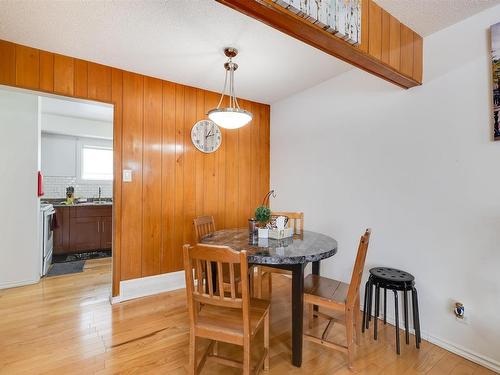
309,247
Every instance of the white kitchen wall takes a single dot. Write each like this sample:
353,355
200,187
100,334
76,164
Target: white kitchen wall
19,246
419,167
59,167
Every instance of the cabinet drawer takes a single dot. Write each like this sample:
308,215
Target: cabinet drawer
91,211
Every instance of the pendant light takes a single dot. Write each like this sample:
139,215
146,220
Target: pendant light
231,117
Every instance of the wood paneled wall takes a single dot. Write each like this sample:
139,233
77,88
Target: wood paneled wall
172,181
390,41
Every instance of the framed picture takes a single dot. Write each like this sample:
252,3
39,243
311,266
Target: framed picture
495,60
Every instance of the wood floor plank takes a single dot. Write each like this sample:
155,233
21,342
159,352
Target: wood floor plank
65,325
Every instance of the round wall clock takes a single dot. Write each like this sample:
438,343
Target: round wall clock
206,136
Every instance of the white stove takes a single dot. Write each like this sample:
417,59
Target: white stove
47,212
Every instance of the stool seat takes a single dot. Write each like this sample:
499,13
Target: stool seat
392,276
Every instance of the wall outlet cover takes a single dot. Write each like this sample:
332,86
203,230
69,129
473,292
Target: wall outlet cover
127,175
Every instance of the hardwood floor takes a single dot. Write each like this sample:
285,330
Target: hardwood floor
65,325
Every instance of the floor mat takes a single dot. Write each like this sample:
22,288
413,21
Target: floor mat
66,268
81,256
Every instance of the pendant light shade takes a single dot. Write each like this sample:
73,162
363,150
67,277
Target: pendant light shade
232,117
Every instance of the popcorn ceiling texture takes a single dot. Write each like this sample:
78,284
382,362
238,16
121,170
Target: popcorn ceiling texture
55,187
428,16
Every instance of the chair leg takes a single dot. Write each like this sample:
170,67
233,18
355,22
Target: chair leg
246,357
310,315
416,318
369,309
215,348
259,282
270,284
396,310
357,320
266,342
365,307
193,366
377,309
349,325
385,306
407,330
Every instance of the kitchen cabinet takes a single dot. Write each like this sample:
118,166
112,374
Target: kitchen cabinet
83,228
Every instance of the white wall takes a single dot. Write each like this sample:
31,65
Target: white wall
419,167
19,140
60,159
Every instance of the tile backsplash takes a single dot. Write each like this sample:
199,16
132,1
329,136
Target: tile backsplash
55,187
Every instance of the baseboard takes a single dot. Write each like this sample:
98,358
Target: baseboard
147,286
466,353
16,284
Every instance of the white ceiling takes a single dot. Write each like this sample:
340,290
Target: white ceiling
182,40
428,16
77,108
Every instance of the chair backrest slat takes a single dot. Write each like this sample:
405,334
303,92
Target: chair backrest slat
198,261
295,220
357,271
208,266
203,226
220,280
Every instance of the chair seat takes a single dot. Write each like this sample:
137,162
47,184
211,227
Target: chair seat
266,269
229,322
325,291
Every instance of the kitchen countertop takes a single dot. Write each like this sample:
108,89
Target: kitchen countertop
60,203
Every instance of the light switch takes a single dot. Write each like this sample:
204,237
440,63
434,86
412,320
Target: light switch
127,175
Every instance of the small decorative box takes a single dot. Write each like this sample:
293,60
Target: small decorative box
279,234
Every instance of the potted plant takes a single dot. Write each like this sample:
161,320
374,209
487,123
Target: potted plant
263,215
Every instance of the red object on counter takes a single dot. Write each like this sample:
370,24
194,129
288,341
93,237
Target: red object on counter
40,184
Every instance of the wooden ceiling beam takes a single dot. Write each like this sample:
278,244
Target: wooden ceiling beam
365,56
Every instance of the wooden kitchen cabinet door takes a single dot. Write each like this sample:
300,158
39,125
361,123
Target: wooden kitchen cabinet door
106,233
85,234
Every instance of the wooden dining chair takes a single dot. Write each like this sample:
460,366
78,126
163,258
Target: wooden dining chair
203,226
341,298
226,316
295,221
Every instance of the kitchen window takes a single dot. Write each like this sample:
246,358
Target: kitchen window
96,163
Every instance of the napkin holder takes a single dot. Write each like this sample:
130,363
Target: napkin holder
279,234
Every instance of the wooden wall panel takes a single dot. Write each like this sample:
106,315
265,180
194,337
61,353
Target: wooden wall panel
418,57
365,9
64,75
244,170
81,78
168,178
189,166
375,30
7,63
46,71
151,177
395,43
172,182
27,67
178,232
99,82
116,98
132,198
386,24
406,51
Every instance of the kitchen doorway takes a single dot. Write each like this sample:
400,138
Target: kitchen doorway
69,175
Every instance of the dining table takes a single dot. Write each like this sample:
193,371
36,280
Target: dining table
293,254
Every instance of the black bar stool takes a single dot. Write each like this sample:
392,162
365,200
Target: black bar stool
397,281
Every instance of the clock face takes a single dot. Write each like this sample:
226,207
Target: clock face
206,136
